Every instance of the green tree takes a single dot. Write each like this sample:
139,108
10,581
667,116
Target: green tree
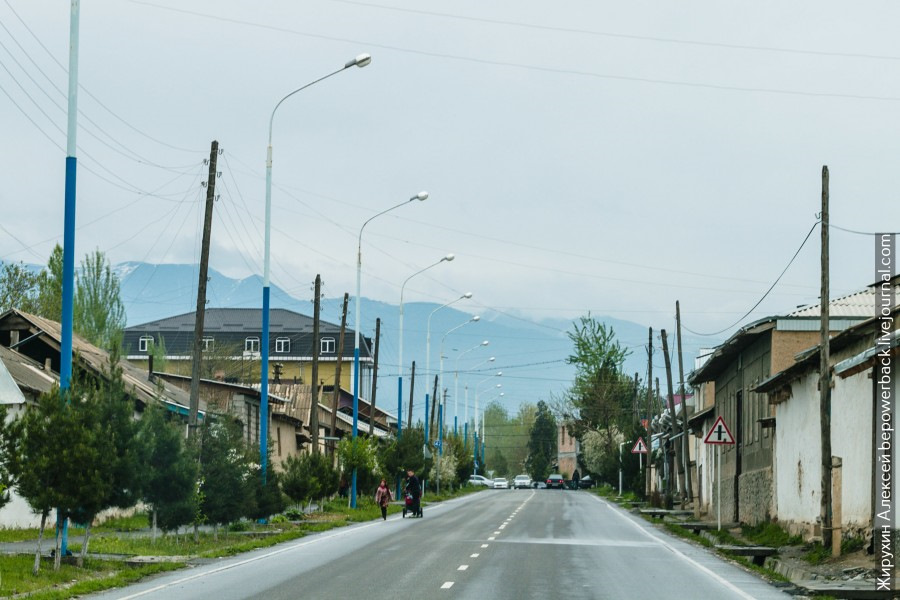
99,314
58,454
268,496
309,476
17,287
10,435
226,488
49,287
169,472
541,443
359,453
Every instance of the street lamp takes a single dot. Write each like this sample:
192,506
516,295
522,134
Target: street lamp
465,296
421,196
466,424
447,258
360,61
456,384
499,385
474,319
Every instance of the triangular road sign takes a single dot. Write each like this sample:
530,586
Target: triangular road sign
639,447
719,433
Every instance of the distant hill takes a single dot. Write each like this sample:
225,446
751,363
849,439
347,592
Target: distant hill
530,353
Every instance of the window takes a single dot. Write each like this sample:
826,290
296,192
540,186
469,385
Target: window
144,343
326,346
208,344
251,344
283,344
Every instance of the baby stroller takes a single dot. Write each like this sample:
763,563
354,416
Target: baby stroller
413,506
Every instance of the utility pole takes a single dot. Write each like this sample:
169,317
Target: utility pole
685,448
315,387
825,374
375,379
636,409
649,412
412,387
201,291
679,456
430,427
337,371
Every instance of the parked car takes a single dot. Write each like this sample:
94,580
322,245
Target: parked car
501,483
521,482
586,482
556,481
479,480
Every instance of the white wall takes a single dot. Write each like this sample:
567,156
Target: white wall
797,451
798,448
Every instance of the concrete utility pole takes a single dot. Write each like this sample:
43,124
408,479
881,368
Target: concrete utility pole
412,386
825,374
685,447
375,379
337,371
649,412
201,291
315,384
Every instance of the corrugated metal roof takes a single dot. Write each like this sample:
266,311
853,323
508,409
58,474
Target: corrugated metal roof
858,304
97,361
240,320
25,373
9,391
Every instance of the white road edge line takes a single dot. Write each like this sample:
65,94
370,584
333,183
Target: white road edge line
680,554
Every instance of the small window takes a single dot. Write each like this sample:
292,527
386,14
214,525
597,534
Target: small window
144,343
209,344
327,346
283,344
251,344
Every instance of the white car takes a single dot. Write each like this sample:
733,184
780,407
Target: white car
501,483
479,480
522,481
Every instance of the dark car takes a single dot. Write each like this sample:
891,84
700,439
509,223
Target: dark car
556,481
586,482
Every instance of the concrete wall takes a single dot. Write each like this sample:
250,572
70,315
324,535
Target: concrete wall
798,452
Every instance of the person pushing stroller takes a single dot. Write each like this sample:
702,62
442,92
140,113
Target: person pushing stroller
413,494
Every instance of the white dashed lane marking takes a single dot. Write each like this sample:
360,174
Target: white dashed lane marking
447,585
475,555
462,567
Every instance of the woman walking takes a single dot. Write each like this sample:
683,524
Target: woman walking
383,497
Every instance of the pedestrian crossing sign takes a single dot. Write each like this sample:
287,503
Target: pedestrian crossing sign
719,433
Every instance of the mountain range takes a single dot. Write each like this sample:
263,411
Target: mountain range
531,354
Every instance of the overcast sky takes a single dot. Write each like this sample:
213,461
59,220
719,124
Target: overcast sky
580,156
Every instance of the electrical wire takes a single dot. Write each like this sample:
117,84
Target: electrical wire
809,233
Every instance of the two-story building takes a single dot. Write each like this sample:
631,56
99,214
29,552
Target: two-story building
231,347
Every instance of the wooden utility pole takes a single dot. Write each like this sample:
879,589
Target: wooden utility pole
375,379
825,374
678,448
685,447
434,401
412,387
337,371
201,291
636,408
649,411
314,387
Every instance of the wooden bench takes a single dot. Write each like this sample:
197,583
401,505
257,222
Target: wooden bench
698,526
659,513
757,553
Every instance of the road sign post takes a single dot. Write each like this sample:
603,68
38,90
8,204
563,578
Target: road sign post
719,435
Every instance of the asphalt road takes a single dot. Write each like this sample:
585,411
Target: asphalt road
498,544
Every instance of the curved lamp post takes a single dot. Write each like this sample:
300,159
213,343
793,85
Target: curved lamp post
360,61
466,424
499,385
474,319
421,196
447,258
465,296
456,382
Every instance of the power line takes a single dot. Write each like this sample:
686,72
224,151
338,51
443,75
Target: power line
764,295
